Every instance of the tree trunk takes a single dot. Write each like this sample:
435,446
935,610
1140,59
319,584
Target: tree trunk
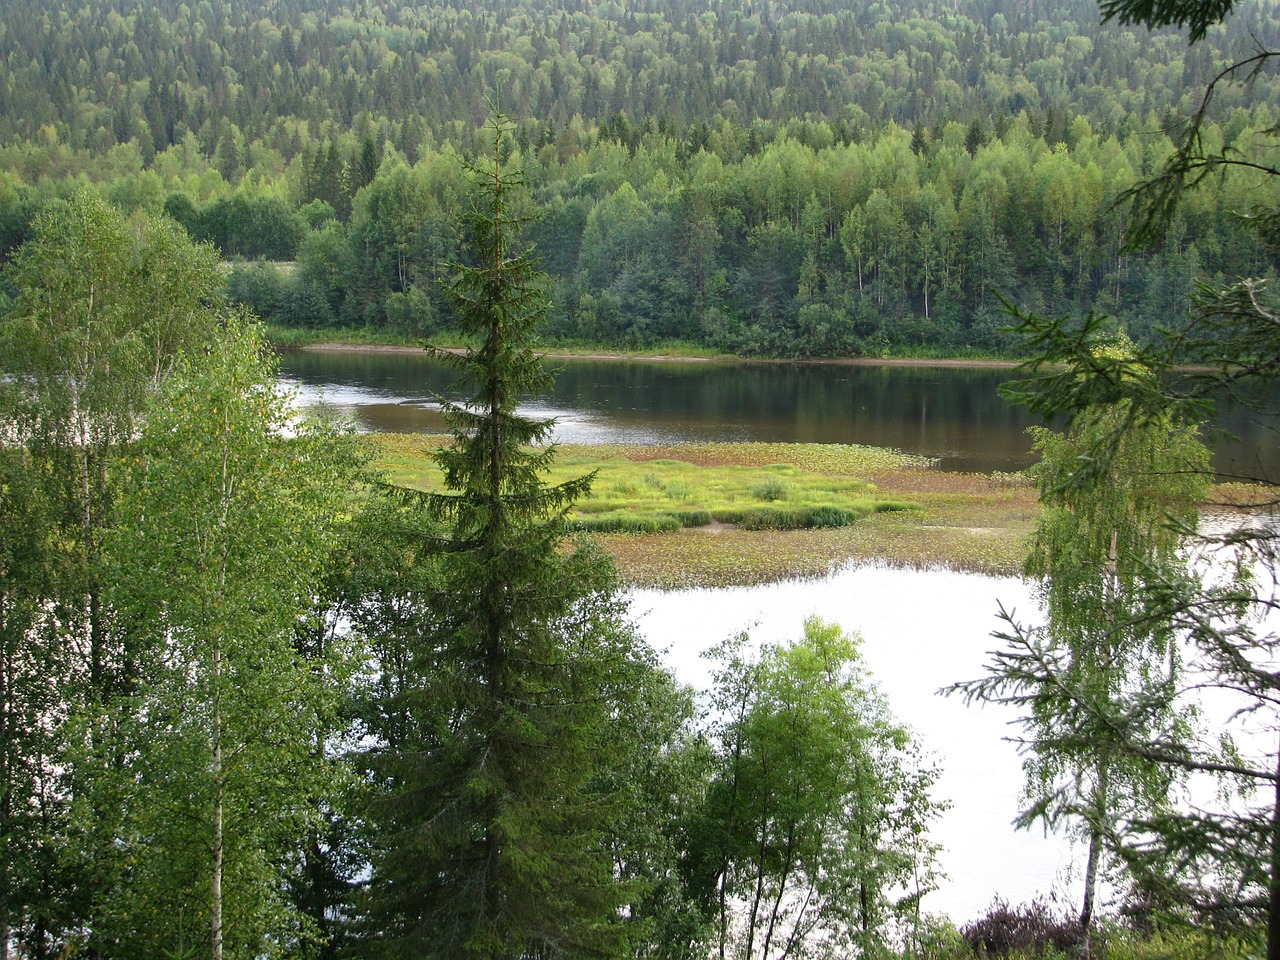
1100,805
1090,884
1273,880
215,924
782,886
759,893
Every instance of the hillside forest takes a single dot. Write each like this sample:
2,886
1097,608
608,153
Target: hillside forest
806,178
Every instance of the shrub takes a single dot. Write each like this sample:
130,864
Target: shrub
829,516
769,489
894,506
1177,944
678,490
771,518
693,518
1032,928
626,524
256,285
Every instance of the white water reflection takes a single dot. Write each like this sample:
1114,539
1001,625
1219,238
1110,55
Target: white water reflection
371,409
921,630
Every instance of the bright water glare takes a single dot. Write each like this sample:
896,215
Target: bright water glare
921,631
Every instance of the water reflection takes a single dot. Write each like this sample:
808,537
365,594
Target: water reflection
953,414
921,630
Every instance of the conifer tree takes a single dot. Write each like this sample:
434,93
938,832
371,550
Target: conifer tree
1218,864
491,835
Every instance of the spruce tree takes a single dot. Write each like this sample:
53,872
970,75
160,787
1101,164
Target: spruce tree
490,832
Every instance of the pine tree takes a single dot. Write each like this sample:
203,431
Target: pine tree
491,842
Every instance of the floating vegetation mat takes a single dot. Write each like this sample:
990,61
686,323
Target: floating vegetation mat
746,513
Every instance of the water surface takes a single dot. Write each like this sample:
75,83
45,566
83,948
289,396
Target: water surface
921,631
949,413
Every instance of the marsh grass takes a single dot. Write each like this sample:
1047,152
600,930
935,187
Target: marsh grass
692,515
770,489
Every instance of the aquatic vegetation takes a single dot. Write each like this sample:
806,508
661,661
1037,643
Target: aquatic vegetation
695,515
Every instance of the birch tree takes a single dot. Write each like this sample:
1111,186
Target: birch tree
103,307
225,527
814,837
1096,554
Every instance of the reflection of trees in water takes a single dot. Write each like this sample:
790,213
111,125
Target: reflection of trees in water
953,413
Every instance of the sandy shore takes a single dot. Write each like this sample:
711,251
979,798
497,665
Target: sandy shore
393,349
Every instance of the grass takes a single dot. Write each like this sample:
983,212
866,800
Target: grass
745,513
295,337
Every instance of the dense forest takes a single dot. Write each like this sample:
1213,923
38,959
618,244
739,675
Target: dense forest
786,179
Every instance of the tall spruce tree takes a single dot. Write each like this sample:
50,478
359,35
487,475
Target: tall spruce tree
491,831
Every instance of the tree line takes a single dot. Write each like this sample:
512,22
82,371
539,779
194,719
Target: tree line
897,167
799,246
806,247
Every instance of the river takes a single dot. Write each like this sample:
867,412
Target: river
953,414
921,630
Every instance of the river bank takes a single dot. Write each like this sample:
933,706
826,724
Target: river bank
554,353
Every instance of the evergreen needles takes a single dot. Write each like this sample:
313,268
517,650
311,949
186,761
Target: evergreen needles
495,841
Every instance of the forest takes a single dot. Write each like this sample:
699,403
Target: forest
257,701
788,180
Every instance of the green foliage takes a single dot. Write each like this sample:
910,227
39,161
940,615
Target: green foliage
815,822
771,488
714,181
229,717
1097,553
150,86
103,308
149,437
1199,15
1175,944
494,797
1227,865
33,660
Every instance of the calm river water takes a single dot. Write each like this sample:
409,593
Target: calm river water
921,630
953,414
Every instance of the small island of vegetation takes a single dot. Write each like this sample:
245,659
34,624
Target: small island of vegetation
742,513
